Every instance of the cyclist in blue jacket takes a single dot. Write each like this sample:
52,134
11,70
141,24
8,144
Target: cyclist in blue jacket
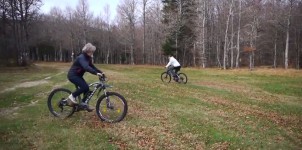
82,64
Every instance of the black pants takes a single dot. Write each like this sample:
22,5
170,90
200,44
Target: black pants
80,83
174,70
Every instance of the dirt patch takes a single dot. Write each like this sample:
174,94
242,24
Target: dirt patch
5,111
221,146
60,66
30,83
25,85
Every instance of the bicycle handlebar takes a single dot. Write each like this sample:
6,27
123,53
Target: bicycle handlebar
102,77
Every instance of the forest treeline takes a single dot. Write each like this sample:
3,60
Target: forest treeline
200,33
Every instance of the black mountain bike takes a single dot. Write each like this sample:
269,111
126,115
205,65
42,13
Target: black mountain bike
168,75
110,107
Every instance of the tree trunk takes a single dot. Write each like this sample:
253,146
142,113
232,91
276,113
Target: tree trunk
218,53
232,38
275,51
132,43
287,45
238,36
225,51
298,49
203,53
251,60
194,56
144,26
61,52
287,37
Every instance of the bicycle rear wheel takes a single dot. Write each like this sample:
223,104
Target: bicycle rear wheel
182,78
165,77
111,107
57,103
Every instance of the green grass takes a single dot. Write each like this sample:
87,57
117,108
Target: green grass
216,109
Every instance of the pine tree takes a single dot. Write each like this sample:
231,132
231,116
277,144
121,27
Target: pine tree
180,17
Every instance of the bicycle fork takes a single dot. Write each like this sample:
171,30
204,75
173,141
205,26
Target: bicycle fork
108,103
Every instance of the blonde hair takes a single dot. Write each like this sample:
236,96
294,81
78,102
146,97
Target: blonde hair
88,48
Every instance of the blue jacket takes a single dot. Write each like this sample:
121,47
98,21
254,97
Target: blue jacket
82,64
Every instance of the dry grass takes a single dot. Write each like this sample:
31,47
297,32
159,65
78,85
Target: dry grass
217,109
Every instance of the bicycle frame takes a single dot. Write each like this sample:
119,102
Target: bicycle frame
97,86
107,109
170,72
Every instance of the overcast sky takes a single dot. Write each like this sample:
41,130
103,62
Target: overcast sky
95,6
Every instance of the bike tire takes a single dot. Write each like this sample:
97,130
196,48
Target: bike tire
54,100
182,78
165,77
115,114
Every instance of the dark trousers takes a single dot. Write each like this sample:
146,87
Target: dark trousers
80,83
174,70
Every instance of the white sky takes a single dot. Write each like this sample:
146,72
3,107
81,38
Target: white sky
95,6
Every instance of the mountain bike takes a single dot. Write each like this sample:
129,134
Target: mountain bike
168,75
110,107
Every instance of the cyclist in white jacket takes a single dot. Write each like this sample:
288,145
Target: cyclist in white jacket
173,65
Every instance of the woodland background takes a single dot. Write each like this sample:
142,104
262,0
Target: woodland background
200,33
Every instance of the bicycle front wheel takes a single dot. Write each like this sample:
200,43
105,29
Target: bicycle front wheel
57,103
111,107
165,77
182,78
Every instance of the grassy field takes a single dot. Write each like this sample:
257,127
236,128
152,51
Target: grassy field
216,109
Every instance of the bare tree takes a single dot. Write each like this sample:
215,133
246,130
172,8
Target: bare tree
154,32
202,17
271,26
238,35
58,31
226,41
232,37
144,26
84,16
127,10
297,26
287,33
107,21
72,34
21,13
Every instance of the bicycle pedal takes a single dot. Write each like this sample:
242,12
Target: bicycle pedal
77,107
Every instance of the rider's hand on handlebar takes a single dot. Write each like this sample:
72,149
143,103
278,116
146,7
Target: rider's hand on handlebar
100,74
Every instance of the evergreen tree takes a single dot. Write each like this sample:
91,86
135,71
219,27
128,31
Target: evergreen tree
168,47
180,17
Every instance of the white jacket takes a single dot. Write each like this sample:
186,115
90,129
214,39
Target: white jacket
173,62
